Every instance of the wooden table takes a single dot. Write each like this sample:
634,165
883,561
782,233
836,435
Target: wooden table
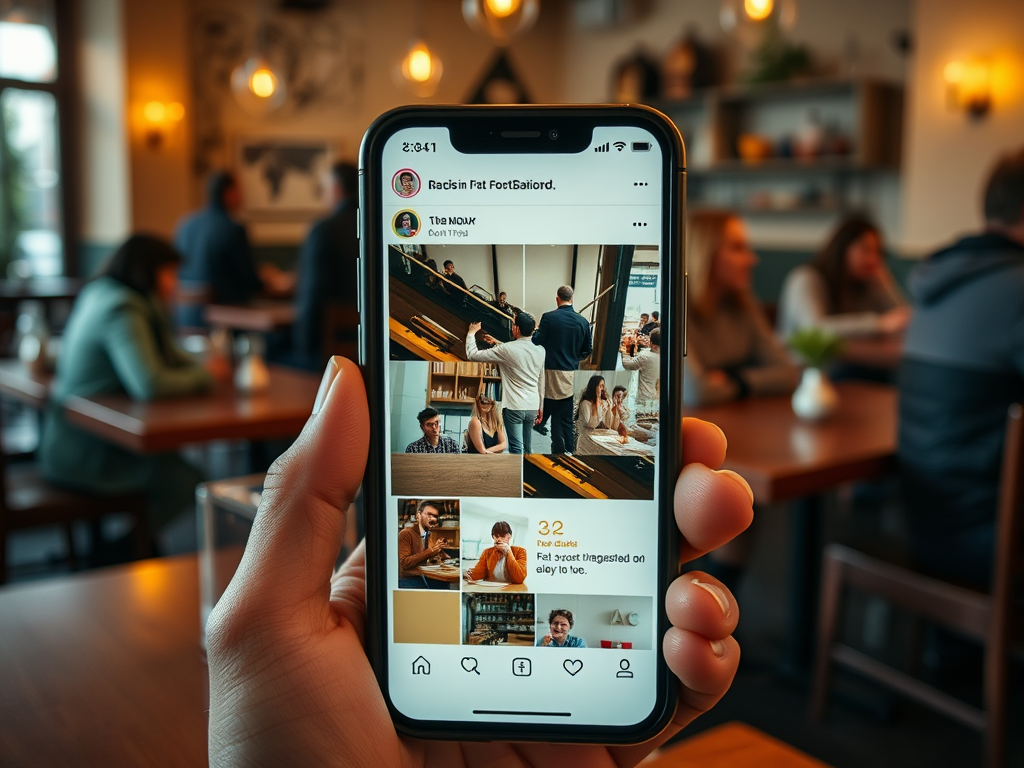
456,474
104,668
281,410
259,316
784,458
18,383
608,439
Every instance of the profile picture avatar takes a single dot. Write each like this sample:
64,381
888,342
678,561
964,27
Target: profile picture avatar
406,224
406,182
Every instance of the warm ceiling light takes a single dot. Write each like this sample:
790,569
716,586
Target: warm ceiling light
758,10
502,8
154,112
420,69
263,83
419,65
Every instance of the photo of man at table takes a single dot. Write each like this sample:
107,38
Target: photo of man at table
449,435
428,544
489,619
493,558
595,621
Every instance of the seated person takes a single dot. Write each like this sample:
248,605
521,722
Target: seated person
644,320
594,411
846,289
731,350
502,562
432,441
118,340
648,363
413,551
486,433
502,305
560,621
655,322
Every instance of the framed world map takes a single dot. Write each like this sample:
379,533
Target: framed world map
284,178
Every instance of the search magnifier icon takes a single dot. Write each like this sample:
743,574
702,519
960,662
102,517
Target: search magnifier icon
469,664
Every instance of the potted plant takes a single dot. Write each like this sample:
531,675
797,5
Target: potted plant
815,398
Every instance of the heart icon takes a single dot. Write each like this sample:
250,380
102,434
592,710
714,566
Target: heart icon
572,666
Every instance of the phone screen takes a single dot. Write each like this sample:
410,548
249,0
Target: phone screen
523,301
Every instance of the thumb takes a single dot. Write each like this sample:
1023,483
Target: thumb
300,523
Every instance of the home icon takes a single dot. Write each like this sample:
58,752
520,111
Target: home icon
421,666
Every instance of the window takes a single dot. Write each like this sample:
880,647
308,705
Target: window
34,233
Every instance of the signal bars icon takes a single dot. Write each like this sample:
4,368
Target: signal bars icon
606,147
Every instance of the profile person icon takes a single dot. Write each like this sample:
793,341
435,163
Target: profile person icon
406,224
406,182
624,670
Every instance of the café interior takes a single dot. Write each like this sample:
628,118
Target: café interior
797,116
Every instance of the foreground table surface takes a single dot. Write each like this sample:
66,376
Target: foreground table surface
732,745
262,315
24,386
783,457
280,410
104,668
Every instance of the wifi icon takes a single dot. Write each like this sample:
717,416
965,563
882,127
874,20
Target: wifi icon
619,145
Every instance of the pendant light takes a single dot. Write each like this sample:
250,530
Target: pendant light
420,69
501,20
736,15
258,85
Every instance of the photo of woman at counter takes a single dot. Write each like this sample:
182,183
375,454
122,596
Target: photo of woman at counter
502,563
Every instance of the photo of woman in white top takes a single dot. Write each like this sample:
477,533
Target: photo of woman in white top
594,411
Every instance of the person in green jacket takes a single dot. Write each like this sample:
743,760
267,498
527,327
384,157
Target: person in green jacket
118,339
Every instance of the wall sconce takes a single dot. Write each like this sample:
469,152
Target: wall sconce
158,118
969,87
501,20
420,69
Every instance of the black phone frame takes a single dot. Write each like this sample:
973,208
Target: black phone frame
479,129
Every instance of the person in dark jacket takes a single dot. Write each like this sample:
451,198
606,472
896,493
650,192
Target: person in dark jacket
963,366
218,266
566,338
327,269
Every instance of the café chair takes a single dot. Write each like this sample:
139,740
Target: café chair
731,745
28,501
992,618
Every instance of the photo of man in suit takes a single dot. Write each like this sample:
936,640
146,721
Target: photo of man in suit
566,338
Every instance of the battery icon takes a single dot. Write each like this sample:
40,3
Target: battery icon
641,146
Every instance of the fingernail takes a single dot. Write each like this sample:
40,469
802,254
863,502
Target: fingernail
717,648
325,384
739,479
715,592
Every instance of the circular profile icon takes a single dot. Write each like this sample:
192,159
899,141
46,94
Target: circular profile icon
406,224
406,182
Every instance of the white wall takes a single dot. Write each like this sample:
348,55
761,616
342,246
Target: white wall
593,616
106,212
947,156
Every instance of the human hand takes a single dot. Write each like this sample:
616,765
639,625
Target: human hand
474,328
539,419
546,641
290,683
895,320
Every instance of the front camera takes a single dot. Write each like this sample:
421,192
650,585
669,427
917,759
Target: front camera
552,134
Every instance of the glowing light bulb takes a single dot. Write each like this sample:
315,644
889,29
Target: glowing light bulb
420,65
175,111
502,8
758,10
154,112
263,83
954,72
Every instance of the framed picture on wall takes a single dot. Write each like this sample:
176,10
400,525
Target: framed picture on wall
283,178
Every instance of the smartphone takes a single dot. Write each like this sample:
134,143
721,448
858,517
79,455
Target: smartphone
518,498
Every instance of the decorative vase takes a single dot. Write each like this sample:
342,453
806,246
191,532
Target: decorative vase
815,398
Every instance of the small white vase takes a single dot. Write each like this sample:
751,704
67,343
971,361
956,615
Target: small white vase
815,398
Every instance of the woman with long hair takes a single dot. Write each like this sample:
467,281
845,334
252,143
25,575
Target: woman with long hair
486,433
118,339
731,352
846,289
594,411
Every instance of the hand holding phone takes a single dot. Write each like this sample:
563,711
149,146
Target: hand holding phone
293,636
